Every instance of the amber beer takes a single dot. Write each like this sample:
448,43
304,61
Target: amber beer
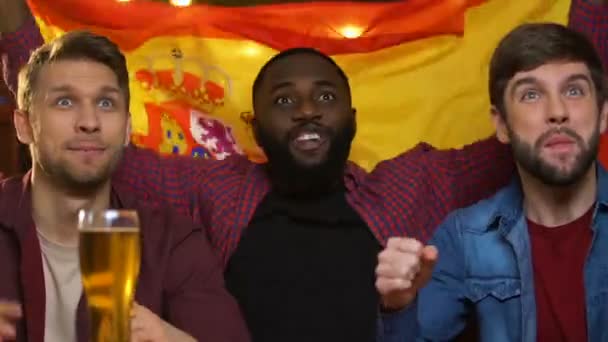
109,265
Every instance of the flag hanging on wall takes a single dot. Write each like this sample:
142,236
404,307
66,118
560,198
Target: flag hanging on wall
418,68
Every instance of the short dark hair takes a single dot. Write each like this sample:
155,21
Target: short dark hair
74,45
291,52
531,45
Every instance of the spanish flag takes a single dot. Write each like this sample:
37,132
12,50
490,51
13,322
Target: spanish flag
418,68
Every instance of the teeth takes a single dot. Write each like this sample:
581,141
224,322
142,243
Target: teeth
308,136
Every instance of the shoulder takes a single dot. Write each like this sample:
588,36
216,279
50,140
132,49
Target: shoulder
11,192
481,216
235,165
138,162
11,185
164,224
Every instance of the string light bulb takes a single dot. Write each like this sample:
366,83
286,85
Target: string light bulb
351,31
181,3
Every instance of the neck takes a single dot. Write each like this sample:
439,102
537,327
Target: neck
55,208
305,185
553,206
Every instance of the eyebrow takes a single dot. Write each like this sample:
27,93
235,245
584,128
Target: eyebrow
287,84
580,77
67,88
534,80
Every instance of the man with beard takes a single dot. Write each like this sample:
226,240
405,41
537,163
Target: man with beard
299,234
74,114
304,226
530,262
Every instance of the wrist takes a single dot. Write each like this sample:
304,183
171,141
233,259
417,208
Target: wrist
173,334
392,304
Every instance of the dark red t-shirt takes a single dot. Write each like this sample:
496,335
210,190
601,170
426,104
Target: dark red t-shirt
558,260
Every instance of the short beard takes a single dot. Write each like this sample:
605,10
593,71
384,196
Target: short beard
528,157
291,178
59,174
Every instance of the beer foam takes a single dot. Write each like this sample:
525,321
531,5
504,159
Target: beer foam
110,230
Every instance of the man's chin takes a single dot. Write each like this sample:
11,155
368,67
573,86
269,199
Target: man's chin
83,180
562,168
561,174
308,164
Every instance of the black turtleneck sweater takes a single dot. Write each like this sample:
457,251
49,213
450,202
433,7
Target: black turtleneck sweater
304,271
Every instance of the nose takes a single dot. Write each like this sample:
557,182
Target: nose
87,120
307,111
557,113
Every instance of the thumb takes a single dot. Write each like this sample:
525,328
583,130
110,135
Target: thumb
428,259
429,256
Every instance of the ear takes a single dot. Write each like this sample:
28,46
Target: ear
128,131
603,116
23,126
354,110
500,123
253,124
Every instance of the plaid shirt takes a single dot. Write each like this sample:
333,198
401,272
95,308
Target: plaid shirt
15,49
408,195
592,20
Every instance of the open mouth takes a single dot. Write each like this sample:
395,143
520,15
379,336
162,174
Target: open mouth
308,140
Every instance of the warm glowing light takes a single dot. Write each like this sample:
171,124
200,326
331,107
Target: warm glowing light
181,3
351,31
251,50
123,0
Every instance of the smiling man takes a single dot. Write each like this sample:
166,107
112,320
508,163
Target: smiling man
531,261
307,257
307,139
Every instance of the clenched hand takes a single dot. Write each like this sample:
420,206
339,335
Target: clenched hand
404,266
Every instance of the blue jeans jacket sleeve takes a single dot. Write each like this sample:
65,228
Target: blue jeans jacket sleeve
400,326
442,307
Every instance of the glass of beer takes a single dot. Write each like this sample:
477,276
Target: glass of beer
110,256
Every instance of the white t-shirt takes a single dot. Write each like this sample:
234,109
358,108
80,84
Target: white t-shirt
63,286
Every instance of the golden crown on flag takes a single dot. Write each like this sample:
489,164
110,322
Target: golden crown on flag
189,79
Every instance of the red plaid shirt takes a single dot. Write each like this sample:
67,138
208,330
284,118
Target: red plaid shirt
592,20
408,195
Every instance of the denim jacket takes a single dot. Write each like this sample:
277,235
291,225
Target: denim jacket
485,269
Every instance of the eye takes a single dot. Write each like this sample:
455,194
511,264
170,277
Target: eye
63,102
327,97
106,103
530,96
575,91
283,100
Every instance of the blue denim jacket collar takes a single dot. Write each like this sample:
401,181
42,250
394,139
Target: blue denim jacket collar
510,207
510,222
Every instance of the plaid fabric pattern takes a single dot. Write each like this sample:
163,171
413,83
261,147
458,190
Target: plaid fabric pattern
15,49
592,21
405,196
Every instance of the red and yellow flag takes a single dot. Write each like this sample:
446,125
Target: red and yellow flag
418,68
